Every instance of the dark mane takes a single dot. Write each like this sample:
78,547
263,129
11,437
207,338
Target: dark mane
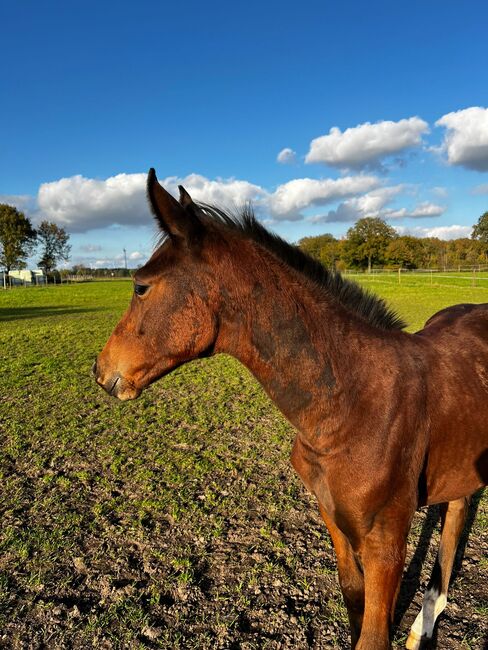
369,307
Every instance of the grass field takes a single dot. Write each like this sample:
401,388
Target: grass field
175,521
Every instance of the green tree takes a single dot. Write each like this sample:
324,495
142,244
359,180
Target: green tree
367,241
434,255
325,248
54,245
17,238
464,252
405,251
480,230
313,245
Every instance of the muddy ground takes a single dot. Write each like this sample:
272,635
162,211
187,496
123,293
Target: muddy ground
169,583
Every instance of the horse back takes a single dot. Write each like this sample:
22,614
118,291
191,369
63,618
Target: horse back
463,318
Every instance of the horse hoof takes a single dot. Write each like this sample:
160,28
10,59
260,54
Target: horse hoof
413,641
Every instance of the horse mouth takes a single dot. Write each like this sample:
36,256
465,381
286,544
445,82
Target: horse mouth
120,387
124,390
111,391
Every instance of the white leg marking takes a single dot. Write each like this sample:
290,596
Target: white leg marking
423,626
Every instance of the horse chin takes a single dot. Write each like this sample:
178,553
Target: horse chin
125,390
128,394
121,388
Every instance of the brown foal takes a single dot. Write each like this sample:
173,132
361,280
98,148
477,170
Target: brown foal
386,421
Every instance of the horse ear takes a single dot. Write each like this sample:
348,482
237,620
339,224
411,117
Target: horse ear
185,199
173,217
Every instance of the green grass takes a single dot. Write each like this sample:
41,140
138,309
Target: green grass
163,522
416,299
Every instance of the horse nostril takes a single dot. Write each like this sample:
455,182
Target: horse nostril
94,368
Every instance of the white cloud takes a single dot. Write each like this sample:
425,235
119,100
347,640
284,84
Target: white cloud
81,204
427,209
466,138
286,156
368,205
480,189
105,263
373,204
367,144
441,192
291,198
441,232
91,248
136,256
107,260
346,211
421,211
218,192
93,262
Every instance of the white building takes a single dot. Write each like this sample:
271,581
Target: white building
25,277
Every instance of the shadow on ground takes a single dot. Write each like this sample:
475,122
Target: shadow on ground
411,580
22,313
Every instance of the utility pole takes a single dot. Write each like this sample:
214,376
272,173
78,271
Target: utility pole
125,258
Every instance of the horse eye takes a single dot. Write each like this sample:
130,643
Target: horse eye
140,289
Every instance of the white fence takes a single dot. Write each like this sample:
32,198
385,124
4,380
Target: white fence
475,276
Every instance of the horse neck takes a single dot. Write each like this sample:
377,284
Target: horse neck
300,343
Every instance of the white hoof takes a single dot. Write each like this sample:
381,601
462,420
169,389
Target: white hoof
413,641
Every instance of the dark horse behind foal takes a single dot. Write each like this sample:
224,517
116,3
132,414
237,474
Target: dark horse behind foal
386,421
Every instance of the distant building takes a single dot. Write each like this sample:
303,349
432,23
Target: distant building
27,277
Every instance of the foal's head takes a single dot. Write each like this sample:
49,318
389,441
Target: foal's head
172,317
194,294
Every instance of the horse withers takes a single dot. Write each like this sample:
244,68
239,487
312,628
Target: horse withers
386,421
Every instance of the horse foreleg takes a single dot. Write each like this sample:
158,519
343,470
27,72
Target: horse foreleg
351,578
453,516
383,557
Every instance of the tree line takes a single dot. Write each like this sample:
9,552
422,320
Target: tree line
100,272
19,239
372,242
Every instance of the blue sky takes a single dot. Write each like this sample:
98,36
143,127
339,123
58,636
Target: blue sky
93,94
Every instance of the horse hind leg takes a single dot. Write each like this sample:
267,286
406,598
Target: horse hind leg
453,516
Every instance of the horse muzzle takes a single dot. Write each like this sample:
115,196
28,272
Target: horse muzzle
115,384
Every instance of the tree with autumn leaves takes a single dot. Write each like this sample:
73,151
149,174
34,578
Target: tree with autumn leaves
372,242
